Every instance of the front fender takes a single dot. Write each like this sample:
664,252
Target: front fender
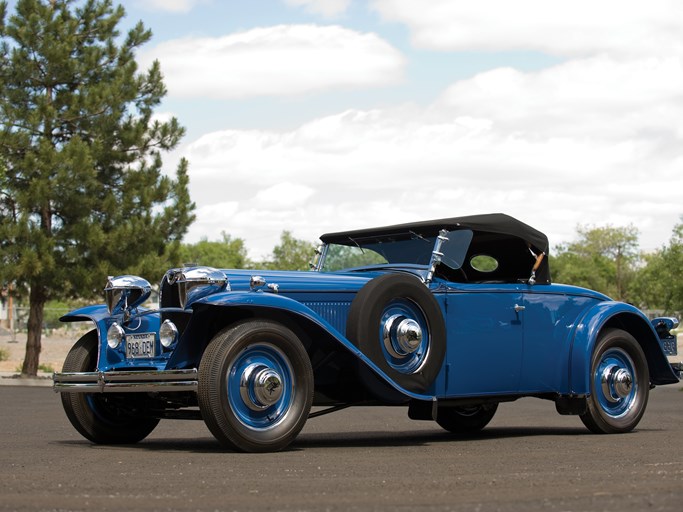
618,315
142,320
234,306
94,313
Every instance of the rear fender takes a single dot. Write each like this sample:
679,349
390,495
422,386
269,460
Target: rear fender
620,315
663,327
218,311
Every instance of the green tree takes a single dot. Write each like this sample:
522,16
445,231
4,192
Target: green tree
228,253
340,257
659,284
83,194
291,254
602,258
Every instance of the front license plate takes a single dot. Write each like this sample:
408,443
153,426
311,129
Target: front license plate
140,345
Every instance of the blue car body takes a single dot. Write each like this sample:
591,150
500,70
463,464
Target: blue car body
448,317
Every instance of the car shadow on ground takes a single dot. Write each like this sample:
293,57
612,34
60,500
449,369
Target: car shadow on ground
385,439
364,439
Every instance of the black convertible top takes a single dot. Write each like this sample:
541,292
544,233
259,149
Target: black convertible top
494,233
490,223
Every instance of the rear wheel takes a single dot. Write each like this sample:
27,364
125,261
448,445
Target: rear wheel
92,414
466,420
255,386
619,386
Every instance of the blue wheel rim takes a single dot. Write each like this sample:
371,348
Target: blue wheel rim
412,362
615,400
242,399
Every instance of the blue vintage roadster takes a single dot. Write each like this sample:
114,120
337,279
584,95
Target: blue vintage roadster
447,318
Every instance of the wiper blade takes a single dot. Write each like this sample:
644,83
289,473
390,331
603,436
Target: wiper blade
357,245
419,237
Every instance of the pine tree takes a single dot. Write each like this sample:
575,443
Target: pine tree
82,192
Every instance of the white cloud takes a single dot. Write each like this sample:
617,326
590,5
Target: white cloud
596,97
282,195
277,61
327,8
579,27
213,219
458,156
176,6
594,140
162,117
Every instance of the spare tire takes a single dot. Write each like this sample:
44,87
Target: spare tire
396,322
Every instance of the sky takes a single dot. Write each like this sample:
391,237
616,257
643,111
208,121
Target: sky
325,115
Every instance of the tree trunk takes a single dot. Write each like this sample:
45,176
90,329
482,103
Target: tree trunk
37,301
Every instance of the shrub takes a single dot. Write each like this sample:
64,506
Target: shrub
47,368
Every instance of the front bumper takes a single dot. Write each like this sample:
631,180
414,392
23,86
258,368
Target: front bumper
125,381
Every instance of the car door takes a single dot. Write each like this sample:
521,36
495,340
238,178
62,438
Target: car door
485,339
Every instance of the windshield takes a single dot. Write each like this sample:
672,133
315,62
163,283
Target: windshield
408,248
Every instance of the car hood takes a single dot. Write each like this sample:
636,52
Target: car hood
301,281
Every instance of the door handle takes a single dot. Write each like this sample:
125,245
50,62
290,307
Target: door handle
519,308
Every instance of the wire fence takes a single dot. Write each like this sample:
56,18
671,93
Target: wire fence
16,321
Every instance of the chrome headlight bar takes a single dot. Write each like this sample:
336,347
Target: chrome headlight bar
197,282
124,293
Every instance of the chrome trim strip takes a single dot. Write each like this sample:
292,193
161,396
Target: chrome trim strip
125,381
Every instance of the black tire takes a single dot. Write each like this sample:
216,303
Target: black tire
399,295
619,384
92,414
465,420
255,386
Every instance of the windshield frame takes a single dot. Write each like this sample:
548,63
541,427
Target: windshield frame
444,247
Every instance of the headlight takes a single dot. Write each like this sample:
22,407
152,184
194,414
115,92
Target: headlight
168,333
196,282
124,293
115,335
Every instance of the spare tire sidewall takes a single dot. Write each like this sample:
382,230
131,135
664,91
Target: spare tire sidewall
364,326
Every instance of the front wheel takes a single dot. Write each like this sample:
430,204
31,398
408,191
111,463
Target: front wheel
255,386
92,414
619,385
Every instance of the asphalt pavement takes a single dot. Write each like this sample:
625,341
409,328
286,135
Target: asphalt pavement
375,458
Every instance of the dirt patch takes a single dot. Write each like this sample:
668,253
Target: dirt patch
54,347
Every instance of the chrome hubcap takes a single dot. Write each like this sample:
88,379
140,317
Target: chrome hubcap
402,336
260,386
617,383
623,382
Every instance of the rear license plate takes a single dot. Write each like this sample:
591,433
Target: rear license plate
140,345
669,347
